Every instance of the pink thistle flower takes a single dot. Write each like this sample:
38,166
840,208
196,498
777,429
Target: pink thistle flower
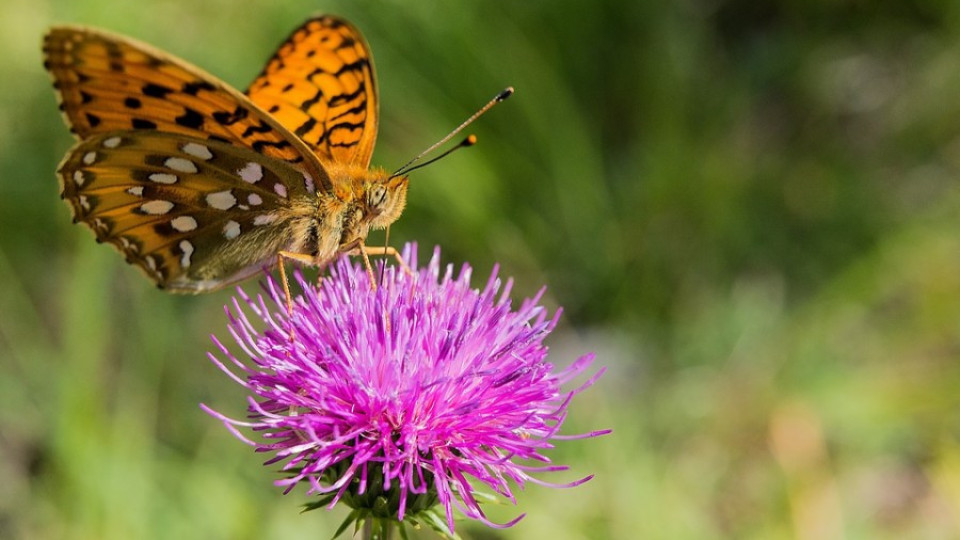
390,400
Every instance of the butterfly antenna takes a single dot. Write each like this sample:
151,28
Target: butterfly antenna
469,140
504,94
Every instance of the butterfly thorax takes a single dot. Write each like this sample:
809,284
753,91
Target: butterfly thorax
362,200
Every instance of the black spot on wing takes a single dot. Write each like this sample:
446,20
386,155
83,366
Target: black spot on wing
156,90
340,99
331,22
345,126
306,105
163,228
192,88
353,66
140,123
259,146
305,127
227,118
355,110
261,128
115,56
190,118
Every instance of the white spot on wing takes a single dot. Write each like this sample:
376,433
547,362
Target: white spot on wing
197,150
89,158
79,178
112,142
251,172
264,219
156,208
151,262
84,203
221,200
187,248
184,223
254,199
308,183
231,230
163,178
136,191
180,164
280,189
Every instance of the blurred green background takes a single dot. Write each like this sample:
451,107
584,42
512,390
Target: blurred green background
749,210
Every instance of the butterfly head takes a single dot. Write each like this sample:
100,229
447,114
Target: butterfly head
385,198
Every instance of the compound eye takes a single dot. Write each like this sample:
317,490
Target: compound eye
378,195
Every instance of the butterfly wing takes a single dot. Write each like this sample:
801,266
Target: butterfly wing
320,84
192,213
107,82
189,179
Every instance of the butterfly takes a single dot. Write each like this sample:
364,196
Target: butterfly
201,186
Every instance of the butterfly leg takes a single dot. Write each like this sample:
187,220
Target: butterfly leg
362,248
387,251
286,284
365,252
282,257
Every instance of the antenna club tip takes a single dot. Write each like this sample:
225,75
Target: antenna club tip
507,92
470,140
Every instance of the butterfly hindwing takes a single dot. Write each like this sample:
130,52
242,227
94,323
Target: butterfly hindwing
320,85
109,83
192,213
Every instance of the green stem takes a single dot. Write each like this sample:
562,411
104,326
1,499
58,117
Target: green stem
377,529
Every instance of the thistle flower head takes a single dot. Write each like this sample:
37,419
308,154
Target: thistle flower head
396,399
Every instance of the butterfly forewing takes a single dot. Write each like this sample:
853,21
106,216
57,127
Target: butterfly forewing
194,214
320,85
112,83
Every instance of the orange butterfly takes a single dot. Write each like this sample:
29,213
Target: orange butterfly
201,186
